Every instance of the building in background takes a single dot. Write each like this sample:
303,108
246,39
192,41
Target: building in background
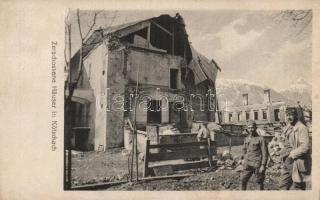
266,112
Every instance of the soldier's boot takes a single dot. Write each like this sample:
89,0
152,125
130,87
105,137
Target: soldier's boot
299,186
260,180
244,178
285,181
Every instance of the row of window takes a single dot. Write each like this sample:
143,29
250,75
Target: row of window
247,116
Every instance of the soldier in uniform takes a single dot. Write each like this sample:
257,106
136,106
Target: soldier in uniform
295,156
203,133
255,156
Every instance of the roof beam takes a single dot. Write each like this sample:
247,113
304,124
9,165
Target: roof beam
216,65
162,28
133,28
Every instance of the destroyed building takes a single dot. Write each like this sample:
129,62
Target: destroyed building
268,111
154,54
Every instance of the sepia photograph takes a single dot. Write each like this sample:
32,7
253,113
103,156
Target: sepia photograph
187,100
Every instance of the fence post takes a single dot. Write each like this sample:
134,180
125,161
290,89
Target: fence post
209,152
230,143
146,159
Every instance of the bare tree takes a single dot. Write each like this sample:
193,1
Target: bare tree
83,38
70,86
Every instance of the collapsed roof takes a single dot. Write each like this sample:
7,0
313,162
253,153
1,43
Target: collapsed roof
163,34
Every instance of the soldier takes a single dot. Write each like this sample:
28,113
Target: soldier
295,156
204,136
203,133
255,155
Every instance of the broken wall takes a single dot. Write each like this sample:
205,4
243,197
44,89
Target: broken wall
154,72
154,68
162,96
197,99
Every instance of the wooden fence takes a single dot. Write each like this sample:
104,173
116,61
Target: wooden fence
155,154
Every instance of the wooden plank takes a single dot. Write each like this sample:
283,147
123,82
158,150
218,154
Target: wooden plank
179,148
163,170
187,166
179,176
167,152
97,186
195,165
173,149
146,159
190,144
101,186
175,155
148,35
133,28
209,152
159,26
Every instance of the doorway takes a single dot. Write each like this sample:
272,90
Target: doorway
154,112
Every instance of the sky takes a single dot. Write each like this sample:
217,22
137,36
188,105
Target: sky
271,48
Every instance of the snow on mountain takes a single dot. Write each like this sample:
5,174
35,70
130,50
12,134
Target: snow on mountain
230,92
299,90
300,85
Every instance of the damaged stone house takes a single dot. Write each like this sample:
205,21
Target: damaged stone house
269,111
154,54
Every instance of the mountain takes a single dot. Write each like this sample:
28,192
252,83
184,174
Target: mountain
299,90
230,92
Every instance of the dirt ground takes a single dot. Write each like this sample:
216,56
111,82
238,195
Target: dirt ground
111,166
97,167
217,180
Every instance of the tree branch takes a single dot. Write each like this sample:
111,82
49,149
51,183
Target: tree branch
78,14
92,25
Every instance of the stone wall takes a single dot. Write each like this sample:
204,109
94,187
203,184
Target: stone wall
116,85
95,78
154,68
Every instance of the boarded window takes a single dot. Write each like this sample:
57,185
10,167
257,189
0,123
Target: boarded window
239,116
174,78
276,115
154,112
256,115
247,115
245,99
230,117
264,114
79,114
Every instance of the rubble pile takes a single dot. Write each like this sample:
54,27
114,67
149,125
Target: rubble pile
275,146
209,181
119,177
265,131
168,129
225,161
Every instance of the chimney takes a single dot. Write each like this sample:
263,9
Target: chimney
245,99
266,96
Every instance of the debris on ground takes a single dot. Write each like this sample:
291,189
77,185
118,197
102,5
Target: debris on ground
101,167
275,146
216,180
112,166
226,155
125,152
